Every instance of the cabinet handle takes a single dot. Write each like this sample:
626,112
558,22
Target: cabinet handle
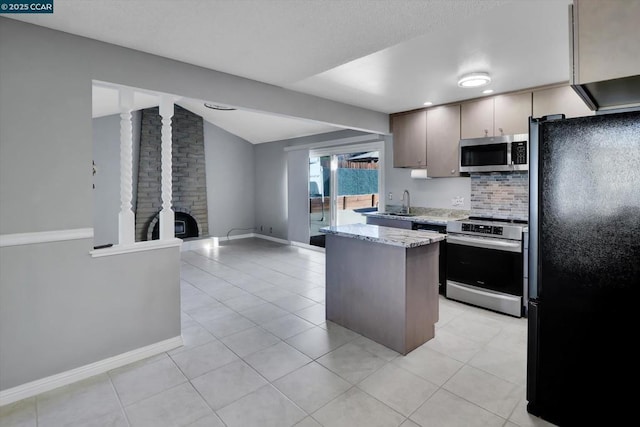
501,131
486,133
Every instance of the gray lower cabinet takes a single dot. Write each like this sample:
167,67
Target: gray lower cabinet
387,293
396,223
410,225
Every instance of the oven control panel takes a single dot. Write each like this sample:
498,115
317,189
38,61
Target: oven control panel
494,230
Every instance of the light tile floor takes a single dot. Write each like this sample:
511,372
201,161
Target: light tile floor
258,352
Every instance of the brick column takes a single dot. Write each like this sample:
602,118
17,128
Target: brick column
188,180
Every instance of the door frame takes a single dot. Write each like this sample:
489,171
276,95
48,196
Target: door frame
333,151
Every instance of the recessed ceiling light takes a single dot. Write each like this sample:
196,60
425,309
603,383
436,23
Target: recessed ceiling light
474,80
218,107
428,103
487,91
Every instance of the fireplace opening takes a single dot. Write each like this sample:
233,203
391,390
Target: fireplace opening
185,226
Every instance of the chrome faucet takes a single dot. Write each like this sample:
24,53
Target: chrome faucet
407,208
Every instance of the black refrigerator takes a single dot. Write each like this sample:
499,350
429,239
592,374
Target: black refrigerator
584,269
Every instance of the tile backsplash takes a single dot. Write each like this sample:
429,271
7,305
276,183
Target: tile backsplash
500,195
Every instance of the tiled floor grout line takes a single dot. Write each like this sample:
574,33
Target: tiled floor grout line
387,362
231,266
244,263
115,390
312,361
316,361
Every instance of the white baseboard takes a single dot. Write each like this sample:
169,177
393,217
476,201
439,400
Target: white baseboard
191,245
236,237
215,241
273,239
49,383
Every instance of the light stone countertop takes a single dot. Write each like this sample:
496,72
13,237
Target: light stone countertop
424,216
385,235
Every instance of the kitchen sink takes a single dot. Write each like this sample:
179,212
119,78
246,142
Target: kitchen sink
400,214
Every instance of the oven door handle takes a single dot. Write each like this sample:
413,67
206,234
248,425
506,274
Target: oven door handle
498,244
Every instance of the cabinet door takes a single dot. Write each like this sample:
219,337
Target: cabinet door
559,100
409,140
443,138
385,222
477,118
606,39
512,114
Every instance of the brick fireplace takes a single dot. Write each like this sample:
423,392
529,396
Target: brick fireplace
189,199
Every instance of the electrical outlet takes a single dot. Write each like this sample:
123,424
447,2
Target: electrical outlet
270,230
390,195
457,201
260,228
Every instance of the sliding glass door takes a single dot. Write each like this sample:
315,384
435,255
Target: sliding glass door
344,183
319,197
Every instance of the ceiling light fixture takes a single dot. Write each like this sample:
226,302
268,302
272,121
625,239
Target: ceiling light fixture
487,91
474,80
428,103
219,107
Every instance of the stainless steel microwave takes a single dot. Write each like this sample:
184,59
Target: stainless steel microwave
498,153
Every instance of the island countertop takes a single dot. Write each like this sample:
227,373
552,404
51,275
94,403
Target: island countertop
385,235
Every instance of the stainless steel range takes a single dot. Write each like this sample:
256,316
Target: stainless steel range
486,263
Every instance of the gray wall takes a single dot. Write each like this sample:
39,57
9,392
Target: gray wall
272,193
230,171
429,193
271,189
46,184
106,194
298,195
61,309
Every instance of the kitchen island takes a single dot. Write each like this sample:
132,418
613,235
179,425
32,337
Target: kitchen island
382,282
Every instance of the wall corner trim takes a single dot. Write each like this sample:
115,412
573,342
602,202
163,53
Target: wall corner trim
33,388
18,239
136,247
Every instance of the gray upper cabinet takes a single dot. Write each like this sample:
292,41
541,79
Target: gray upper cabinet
477,118
443,136
604,42
512,114
495,116
606,38
559,100
409,139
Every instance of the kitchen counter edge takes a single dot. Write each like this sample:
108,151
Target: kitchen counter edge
385,235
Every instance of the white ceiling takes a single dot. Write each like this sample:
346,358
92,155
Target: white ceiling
255,127
385,55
